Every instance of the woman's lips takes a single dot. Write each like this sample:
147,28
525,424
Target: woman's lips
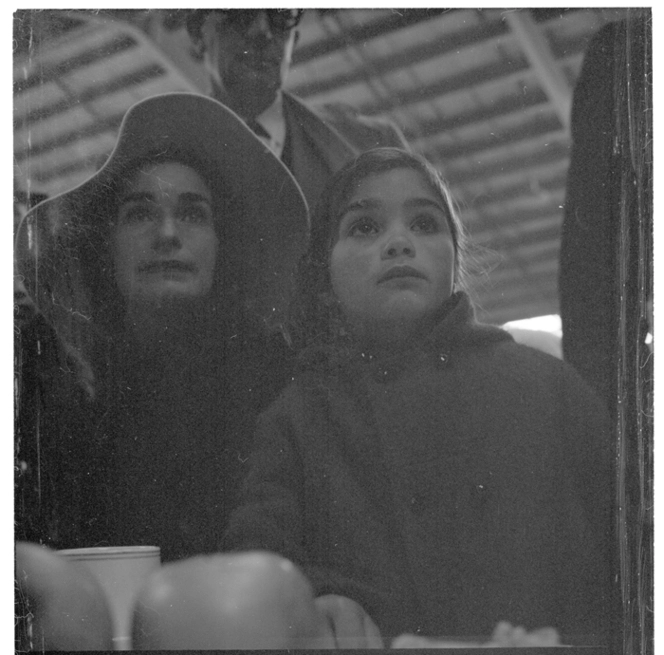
167,266
401,272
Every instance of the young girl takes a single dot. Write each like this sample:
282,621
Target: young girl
426,473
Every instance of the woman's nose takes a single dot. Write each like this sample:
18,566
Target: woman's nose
167,233
398,245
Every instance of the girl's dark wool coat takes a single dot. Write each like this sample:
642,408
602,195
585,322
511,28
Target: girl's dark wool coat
447,488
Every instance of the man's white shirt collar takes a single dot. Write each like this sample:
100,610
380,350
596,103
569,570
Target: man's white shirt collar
274,123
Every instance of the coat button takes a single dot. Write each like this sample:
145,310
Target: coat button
383,374
479,496
443,359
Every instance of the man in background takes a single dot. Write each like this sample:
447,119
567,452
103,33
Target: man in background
247,55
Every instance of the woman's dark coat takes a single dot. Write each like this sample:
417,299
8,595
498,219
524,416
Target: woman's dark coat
444,489
157,457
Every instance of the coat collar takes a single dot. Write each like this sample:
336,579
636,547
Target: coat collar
457,328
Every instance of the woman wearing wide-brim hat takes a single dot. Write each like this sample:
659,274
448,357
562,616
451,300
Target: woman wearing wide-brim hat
165,276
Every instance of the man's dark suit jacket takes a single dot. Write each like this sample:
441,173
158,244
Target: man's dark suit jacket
320,140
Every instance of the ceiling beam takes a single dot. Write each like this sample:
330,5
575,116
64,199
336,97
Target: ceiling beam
502,291
92,93
357,35
430,48
553,182
67,138
458,174
539,54
542,127
530,307
538,230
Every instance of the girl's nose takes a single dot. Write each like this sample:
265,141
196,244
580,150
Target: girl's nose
398,245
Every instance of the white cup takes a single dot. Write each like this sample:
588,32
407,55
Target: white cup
121,571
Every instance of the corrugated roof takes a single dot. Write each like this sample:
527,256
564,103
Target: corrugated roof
483,93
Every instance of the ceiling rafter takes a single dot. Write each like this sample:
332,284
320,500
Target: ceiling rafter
484,94
534,44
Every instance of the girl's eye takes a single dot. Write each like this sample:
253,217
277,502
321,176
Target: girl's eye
196,214
132,214
427,224
363,227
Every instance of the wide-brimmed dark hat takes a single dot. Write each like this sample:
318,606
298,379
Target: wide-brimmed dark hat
50,236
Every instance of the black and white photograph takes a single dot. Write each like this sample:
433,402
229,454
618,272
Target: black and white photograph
333,329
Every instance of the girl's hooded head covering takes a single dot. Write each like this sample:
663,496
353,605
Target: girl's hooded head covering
315,315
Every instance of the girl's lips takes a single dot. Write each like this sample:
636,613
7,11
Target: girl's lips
401,272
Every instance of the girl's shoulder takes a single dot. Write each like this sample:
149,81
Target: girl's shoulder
543,370
547,342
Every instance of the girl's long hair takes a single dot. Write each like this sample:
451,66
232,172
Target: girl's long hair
315,316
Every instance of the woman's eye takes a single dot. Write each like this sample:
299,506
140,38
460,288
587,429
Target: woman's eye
197,214
136,214
426,224
363,228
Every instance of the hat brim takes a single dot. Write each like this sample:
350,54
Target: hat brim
275,210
